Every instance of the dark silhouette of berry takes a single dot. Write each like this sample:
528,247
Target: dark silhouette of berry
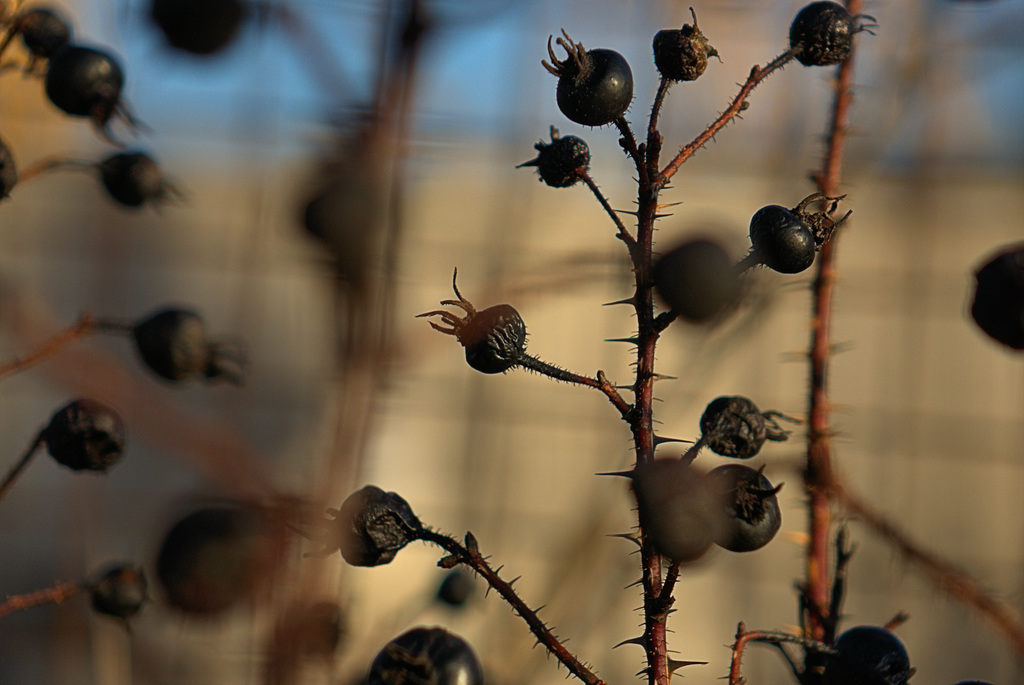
682,54
781,241
595,87
697,280
134,178
734,427
87,82
494,338
456,588
998,305
750,509
85,435
822,34
120,591
173,343
43,32
8,171
371,527
201,27
214,558
426,655
676,508
868,655
560,162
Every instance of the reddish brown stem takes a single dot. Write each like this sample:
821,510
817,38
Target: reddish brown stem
51,595
819,448
743,637
738,104
83,327
470,556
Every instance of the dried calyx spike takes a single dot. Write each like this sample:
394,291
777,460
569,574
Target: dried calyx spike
733,426
749,508
682,54
562,162
595,87
822,223
494,338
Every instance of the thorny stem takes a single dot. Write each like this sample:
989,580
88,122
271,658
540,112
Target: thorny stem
955,582
738,104
819,449
470,556
601,383
16,470
628,143
743,637
624,235
51,595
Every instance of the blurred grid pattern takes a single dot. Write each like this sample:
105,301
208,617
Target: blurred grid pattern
930,413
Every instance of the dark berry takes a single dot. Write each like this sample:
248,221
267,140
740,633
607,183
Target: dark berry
426,656
734,427
201,27
214,558
868,655
120,591
561,162
495,338
172,342
8,171
133,179
43,31
676,509
372,526
85,435
85,82
781,241
750,509
998,305
682,54
822,34
456,588
697,280
595,87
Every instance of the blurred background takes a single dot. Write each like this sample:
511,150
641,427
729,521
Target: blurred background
339,159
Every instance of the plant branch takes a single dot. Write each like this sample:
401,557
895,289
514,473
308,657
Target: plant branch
819,448
51,595
16,470
601,383
743,637
83,327
471,557
628,143
623,234
958,584
738,104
